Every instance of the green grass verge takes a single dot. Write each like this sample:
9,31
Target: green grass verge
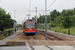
61,30
64,30
8,29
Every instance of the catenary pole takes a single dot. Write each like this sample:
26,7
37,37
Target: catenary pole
36,18
46,18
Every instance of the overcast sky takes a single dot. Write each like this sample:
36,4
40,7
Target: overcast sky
22,6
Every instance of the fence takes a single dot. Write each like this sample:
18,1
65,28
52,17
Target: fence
6,33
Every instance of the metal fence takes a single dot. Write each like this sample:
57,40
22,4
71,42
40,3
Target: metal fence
6,33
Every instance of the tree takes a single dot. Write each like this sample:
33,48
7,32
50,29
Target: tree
65,19
5,20
67,23
58,21
67,12
34,18
54,14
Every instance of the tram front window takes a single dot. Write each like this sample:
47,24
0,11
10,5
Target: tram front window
30,24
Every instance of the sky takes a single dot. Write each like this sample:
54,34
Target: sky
22,7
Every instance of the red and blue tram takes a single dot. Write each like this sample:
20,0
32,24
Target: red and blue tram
30,27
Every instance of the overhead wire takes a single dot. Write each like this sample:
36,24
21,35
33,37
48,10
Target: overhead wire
51,4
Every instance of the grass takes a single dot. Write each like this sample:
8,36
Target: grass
64,30
8,29
61,30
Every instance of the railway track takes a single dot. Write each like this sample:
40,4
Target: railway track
32,47
28,44
56,39
62,39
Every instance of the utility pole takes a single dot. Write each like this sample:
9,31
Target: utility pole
46,18
36,18
14,23
39,22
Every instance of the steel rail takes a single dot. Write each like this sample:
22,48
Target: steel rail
43,43
62,39
29,43
57,41
62,42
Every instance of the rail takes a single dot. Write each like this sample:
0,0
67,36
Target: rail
29,43
43,43
59,39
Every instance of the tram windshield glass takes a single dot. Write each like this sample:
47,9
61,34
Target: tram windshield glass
30,24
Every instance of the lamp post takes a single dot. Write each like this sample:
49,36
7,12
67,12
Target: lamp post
14,23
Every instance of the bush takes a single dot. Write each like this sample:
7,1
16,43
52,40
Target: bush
74,24
6,32
1,37
53,25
